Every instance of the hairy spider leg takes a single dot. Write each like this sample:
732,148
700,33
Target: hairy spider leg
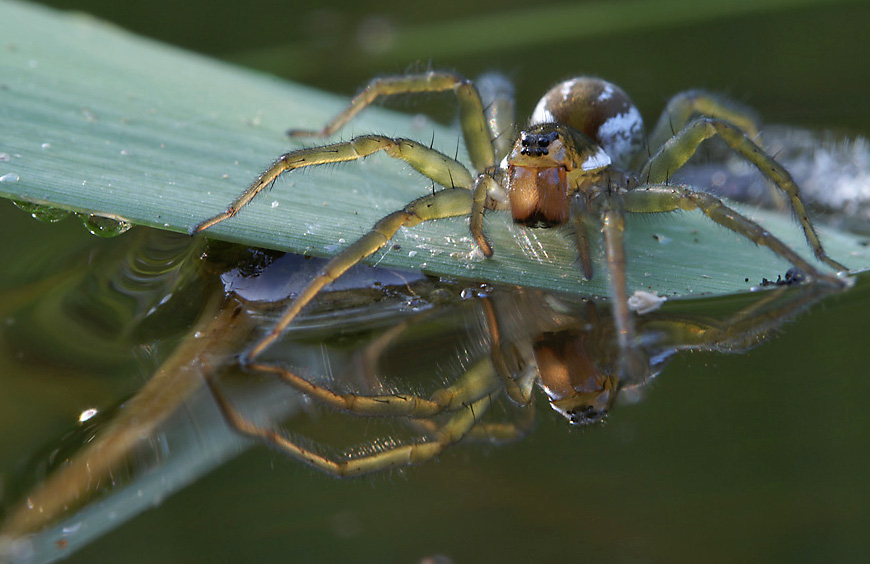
433,164
685,105
677,150
440,205
472,116
483,188
666,198
451,432
497,96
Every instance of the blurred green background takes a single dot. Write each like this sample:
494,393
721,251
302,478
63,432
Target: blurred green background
759,457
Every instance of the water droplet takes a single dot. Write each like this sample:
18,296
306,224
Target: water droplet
103,226
46,145
46,214
275,204
10,178
87,414
5,158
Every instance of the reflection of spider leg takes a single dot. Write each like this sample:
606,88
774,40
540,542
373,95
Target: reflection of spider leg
677,150
489,432
741,330
443,204
435,165
652,199
367,360
520,392
477,382
456,427
472,117
685,105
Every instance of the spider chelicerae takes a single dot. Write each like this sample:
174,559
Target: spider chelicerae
584,160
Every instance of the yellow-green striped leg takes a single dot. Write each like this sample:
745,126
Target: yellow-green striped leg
679,148
433,164
471,111
665,198
693,103
443,204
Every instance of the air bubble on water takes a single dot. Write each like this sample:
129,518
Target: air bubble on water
87,414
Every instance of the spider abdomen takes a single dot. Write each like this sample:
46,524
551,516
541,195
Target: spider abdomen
597,108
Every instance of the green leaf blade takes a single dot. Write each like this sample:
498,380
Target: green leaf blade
97,120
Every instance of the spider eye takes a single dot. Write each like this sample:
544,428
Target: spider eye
536,145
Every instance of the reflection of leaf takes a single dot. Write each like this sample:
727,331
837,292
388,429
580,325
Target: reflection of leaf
96,120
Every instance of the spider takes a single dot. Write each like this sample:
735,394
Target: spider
583,160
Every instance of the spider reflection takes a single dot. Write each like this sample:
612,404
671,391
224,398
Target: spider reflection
527,340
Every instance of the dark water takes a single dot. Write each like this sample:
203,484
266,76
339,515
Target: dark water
758,456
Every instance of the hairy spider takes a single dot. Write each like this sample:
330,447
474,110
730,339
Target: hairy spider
583,160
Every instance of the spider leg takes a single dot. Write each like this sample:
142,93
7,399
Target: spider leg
454,430
681,107
484,187
661,198
631,364
497,95
443,204
677,150
477,382
472,117
579,215
429,162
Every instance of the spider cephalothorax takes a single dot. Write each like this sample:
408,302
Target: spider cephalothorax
583,160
